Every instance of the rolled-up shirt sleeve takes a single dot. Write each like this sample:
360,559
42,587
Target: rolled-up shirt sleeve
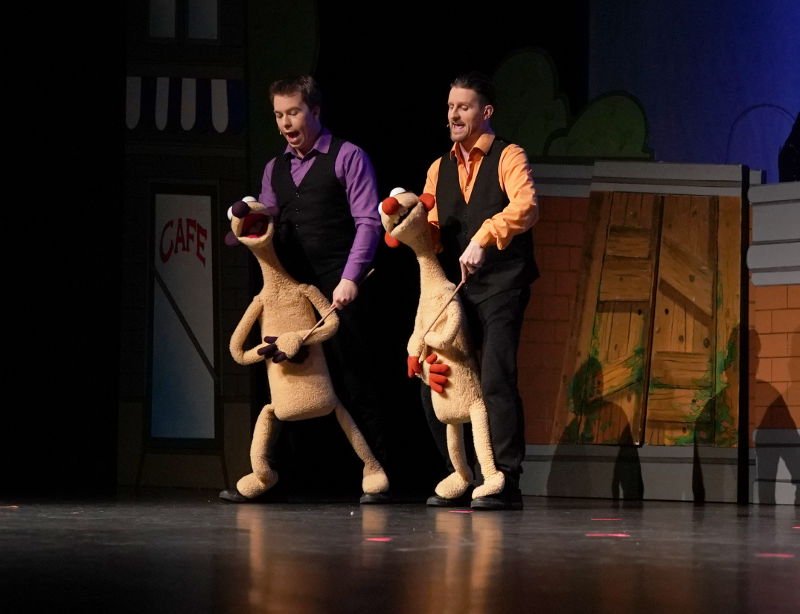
355,169
522,210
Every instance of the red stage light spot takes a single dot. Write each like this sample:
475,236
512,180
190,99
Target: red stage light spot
607,535
379,539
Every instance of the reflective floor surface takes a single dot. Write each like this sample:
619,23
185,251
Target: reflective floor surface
179,551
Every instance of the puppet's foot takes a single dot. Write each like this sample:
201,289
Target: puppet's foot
375,485
491,486
264,478
374,481
452,487
250,488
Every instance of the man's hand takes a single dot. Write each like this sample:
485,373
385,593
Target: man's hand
345,293
471,260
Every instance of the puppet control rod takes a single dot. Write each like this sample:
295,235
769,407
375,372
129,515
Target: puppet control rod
441,311
438,315
331,310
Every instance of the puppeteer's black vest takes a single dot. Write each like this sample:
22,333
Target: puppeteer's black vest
315,227
513,267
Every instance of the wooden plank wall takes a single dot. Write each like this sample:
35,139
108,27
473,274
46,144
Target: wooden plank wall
657,306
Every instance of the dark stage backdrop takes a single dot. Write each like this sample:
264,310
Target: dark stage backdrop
719,79
386,84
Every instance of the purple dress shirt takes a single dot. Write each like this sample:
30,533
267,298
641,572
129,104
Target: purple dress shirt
354,169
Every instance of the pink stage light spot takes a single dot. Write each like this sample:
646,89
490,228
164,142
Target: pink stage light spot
796,526
774,555
379,539
609,519
607,535
9,507
460,511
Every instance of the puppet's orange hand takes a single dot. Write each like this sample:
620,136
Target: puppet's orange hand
414,367
437,373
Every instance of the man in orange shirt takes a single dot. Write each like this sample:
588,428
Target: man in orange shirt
485,209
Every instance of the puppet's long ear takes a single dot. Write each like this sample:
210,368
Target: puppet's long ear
390,240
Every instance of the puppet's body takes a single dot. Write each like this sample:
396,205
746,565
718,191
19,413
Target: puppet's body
300,386
439,345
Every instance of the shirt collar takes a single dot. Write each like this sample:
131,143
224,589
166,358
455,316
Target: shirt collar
321,145
484,144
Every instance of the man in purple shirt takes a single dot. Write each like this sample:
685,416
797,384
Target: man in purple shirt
328,231
329,221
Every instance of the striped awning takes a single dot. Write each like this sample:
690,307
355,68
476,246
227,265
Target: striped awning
184,104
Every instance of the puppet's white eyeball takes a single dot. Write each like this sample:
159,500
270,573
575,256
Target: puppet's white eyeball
249,199
230,213
397,191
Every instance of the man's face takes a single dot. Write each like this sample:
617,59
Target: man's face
299,124
467,117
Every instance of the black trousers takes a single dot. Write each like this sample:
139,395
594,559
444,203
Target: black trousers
495,326
352,365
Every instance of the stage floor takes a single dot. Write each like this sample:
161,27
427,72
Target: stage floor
185,551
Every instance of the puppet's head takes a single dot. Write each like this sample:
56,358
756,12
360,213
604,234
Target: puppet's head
404,216
252,224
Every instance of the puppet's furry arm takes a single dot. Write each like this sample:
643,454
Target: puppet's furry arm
451,322
292,345
328,328
415,341
239,336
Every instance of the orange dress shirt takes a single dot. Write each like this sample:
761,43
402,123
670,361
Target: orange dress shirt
516,180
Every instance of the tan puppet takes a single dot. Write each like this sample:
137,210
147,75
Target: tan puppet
438,349
299,382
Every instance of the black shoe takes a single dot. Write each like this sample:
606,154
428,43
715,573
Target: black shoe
462,501
376,498
509,499
232,495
